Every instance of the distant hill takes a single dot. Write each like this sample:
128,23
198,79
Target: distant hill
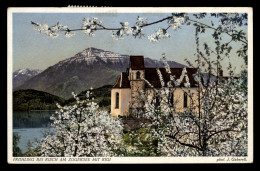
102,96
30,99
104,91
35,100
90,68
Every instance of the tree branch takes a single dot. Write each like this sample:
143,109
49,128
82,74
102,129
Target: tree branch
145,25
224,130
182,143
244,41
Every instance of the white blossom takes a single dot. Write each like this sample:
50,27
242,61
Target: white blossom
160,34
51,31
176,21
125,29
90,25
69,35
82,131
222,120
160,77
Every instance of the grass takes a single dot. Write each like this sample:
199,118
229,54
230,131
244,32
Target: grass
140,143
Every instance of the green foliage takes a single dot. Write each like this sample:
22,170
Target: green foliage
140,143
244,81
36,152
102,96
104,102
16,150
34,100
104,91
242,52
32,151
26,100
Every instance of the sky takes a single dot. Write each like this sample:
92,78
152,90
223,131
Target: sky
35,50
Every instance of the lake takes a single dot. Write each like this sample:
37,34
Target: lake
30,126
29,134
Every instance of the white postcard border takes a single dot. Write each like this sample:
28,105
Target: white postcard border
122,160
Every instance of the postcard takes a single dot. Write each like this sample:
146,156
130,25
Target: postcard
130,85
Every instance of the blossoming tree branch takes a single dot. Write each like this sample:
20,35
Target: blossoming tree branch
214,124
175,21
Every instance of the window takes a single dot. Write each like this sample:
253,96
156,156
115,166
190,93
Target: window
170,100
117,100
185,100
138,75
157,101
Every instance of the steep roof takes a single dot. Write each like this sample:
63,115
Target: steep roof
152,76
137,62
122,81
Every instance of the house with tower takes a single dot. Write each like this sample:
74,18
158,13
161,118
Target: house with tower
125,93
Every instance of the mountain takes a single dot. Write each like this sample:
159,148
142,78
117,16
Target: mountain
35,100
22,75
151,63
90,68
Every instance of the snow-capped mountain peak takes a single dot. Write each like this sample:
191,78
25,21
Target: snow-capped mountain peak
91,67
22,75
92,55
26,71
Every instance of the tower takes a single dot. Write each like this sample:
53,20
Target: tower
135,75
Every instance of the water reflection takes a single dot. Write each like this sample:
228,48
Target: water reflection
31,126
30,135
32,119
